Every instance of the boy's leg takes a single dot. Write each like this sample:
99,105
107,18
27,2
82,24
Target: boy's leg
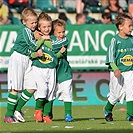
129,114
38,110
24,98
68,111
108,111
47,112
11,104
68,108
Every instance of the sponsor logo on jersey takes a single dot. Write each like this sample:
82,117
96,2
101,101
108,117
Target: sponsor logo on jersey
46,58
127,60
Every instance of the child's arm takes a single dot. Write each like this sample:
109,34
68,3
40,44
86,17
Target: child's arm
116,70
38,52
38,35
60,53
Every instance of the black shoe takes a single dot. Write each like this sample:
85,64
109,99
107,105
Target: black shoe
130,118
109,117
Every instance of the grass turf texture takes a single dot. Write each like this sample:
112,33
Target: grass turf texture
86,119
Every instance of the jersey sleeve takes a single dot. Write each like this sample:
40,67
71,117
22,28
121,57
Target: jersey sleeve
111,52
48,44
39,43
59,54
30,40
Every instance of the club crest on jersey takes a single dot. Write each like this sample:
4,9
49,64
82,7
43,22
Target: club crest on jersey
46,58
127,60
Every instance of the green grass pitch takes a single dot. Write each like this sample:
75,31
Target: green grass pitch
87,119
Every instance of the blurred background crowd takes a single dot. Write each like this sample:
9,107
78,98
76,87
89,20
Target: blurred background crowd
72,11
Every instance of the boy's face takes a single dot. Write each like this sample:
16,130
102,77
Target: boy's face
31,22
45,27
126,28
59,32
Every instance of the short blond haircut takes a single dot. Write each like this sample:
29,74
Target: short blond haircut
58,22
120,19
27,12
45,17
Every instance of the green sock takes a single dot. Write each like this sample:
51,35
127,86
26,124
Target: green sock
109,107
129,109
39,104
25,96
48,108
68,108
11,104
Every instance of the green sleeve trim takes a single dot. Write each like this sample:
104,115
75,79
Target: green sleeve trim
39,43
48,44
113,66
59,54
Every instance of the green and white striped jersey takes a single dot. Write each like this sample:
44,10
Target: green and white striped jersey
25,42
120,52
64,71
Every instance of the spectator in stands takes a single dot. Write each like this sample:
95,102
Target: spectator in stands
113,8
89,20
106,18
20,4
131,7
80,18
63,16
4,13
79,6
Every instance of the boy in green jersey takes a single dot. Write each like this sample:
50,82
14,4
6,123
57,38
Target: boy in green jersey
20,74
64,71
120,61
45,71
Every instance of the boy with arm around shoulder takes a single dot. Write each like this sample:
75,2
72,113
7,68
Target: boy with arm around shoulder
20,73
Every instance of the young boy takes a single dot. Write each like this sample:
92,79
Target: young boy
120,61
20,74
45,70
64,72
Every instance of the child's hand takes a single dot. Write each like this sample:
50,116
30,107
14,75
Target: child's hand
46,37
38,35
39,53
63,49
117,73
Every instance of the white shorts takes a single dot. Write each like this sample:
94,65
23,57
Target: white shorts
46,83
64,92
121,88
20,73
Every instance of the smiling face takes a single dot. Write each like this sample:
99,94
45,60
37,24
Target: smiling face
45,26
59,32
31,22
29,18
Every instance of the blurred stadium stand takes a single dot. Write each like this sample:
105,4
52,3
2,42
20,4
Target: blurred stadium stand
45,5
53,7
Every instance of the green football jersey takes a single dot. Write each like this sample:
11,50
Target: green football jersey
25,42
120,52
48,60
64,71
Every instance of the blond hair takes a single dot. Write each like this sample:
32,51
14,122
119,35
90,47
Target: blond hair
58,22
45,17
27,12
120,19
